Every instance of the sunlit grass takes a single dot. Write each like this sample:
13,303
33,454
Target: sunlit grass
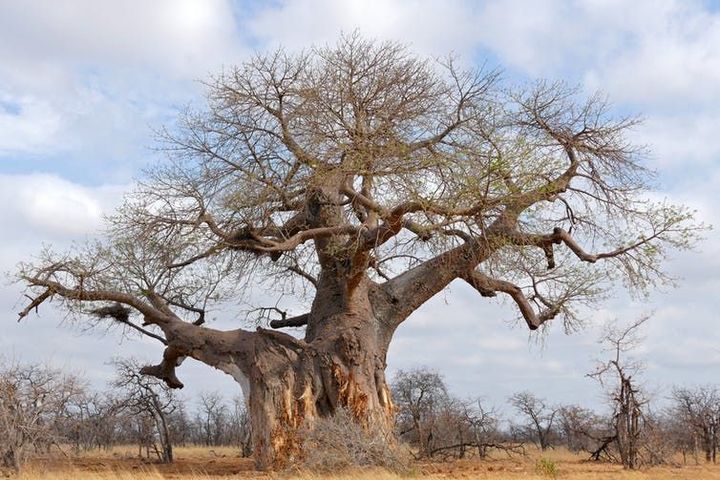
199,463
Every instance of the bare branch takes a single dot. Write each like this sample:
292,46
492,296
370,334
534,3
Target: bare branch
487,286
152,315
298,321
35,303
299,271
165,370
122,315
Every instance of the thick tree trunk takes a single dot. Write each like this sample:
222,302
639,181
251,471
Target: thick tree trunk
340,363
344,371
289,382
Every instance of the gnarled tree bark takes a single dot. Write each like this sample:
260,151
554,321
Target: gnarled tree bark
288,382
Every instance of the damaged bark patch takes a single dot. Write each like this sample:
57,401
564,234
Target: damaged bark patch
350,394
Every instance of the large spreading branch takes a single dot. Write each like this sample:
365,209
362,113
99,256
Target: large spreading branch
559,236
151,314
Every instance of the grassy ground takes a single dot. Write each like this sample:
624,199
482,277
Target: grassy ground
217,464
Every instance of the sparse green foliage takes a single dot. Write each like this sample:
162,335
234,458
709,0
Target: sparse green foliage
547,468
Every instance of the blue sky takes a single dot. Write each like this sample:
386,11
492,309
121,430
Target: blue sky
84,82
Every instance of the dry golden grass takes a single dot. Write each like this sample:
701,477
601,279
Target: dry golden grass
221,463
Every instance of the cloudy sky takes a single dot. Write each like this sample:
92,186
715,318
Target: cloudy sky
84,82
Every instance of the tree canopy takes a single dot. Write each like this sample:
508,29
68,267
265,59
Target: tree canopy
424,159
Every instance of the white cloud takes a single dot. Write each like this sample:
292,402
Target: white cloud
431,27
82,76
669,56
182,36
501,341
28,124
644,52
648,54
679,140
532,36
49,207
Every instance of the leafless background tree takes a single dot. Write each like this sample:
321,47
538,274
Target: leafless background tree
699,409
419,395
439,425
45,411
353,183
149,403
539,415
581,429
32,401
239,429
212,417
628,401
91,421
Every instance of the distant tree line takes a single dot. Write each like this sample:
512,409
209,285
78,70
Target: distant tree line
441,426
43,409
630,433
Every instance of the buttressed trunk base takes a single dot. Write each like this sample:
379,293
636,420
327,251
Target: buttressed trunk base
291,383
288,382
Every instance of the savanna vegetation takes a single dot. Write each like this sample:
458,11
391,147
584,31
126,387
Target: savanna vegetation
54,426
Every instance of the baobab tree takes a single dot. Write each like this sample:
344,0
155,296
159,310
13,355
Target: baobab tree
361,180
